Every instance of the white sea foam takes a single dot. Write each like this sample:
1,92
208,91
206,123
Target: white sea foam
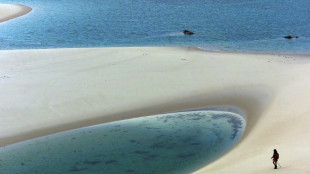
176,34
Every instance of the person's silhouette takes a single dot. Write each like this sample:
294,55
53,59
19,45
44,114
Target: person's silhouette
275,158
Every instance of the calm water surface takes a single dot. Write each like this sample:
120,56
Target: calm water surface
247,25
169,143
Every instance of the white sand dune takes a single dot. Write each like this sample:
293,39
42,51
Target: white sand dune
10,11
52,90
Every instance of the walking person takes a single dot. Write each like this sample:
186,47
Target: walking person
275,158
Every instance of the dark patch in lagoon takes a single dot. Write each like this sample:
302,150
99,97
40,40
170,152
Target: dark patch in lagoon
235,121
115,130
157,145
100,155
130,171
76,169
195,118
152,128
169,147
185,155
92,162
195,144
160,136
110,162
141,152
132,141
187,140
150,157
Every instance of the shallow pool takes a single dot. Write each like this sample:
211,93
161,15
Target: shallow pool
169,143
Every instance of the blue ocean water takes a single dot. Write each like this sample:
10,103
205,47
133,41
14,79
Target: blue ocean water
173,143
228,25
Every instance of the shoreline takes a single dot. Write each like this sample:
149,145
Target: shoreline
11,11
174,46
52,90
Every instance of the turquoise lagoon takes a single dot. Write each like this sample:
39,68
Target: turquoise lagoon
168,143
228,25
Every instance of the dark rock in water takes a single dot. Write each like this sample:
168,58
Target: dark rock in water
290,37
188,32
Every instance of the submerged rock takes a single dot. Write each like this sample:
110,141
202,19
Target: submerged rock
290,37
187,32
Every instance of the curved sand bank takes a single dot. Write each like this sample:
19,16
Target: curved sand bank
47,91
10,11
